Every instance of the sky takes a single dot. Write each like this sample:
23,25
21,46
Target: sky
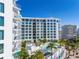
66,10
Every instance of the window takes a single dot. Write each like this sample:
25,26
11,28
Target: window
54,20
51,20
37,37
26,31
57,21
23,19
29,31
48,36
54,33
22,38
26,37
14,38
1,34
22,25
37,20
29,28
37,31
26,22
37,28
22,34
26,25
29,34
1,48
48,28
1,7
47,20
54,36
26,34
51,29
22,28
29,37
1,21
29,25
22,31
54,28
37,34
26,28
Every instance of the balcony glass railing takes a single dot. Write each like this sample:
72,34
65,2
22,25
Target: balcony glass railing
1,34
1,7
1,51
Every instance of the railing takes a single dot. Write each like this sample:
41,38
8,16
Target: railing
1,51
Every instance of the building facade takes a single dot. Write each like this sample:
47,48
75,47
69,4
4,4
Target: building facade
13,28
8,13
39,28
69,31
78,32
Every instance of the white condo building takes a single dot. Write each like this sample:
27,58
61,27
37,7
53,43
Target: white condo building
8,13
40,28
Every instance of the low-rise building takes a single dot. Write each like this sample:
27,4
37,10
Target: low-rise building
69,31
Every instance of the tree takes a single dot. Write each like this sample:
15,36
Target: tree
23,53
70,46
35,41
32,57
77,43
37,55
44,41
62,42
73,47
51,45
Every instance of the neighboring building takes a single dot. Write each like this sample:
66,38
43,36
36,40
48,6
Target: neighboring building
69,31
78,32
8,13
39,28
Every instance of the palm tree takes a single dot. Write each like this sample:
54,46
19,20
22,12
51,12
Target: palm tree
37,55
77,43
32,57
70,46
44,41
66,44
51,45
73,47
62,42
35,41
23,53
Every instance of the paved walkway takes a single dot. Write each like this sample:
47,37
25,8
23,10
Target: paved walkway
74,57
